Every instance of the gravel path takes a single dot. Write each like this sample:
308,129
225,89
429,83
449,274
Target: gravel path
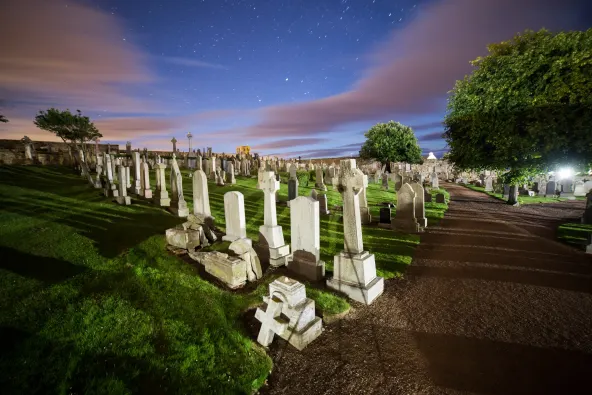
492,304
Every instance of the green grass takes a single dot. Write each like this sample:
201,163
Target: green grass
575,234
92,302
521,199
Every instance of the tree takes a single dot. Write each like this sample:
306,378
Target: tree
526,108
3,118
391,142
75,130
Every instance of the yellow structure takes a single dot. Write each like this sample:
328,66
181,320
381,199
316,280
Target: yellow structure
243,149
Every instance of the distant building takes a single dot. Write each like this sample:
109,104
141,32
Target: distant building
243,150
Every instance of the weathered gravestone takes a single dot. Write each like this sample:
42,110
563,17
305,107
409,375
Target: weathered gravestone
435,180
323,209
354,270
178,204
587,217
231,178
398,182
488,184
551,188
145,181
122,197
385,184
305,236
288,314
320,179
201,197
385,217
440,198
270,233
420,217
161,196
427,196
234,214
405,214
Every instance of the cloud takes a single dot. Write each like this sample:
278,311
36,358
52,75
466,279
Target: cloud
419,64
427,126
431,136
63,53
194,63
289,143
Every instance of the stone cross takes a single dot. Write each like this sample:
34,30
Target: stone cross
270,234
271,321
351,183
174,141
201,198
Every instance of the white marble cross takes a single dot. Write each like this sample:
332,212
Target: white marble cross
271,322
351,183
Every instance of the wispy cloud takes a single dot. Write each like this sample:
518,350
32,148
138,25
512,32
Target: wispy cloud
194,63
289,143
430,136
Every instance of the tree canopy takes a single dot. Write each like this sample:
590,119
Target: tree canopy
3,118
73,129
526,107
391,142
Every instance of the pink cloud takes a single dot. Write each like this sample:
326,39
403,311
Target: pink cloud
61,53
288,143
415,69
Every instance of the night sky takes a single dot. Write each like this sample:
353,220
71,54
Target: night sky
285,77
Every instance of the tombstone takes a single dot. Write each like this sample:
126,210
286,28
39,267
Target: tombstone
128,148
354,270
270,233
385,184
542,188
314,194
440,198
551,188
365,215
427,196
288,314
201,197
161,198
320,180
385,217
405,214
122,197
110,187
398,182
198,163
28,143
231,180
292,189
322,199
435,181
234,214
219,178
579,189
145,181
420,217
305,235
128,182
506,192
178,205
567,189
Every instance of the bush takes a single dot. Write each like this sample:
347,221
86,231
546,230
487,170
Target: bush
303,177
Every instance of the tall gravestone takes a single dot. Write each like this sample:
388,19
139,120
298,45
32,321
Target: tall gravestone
178,203
305,236
201,197
270,233
320,180
234,214
365,215
323,209
587,217
435,181
420,217
292,184
110,186
161,197
405,214
231,178
122,197
354,270
146,190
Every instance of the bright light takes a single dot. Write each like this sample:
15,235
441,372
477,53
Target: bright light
565,173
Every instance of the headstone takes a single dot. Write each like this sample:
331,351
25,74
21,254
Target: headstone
305,235
405,214
320,180
234,214
398,182
110,186
435,181
420,217
506,192
270,233
145,181
288,314
122,197
427,196
587,217
354,270
385,215
161,196
292,189
178,204
551,188
314,194
231,178
128,183
323,209
201,197
385,184
440,198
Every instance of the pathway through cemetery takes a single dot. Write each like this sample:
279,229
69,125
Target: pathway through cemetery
492,304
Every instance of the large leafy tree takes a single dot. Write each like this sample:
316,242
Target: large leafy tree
526,108
391,142
74,129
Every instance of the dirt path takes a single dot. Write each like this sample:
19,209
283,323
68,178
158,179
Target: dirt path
491,305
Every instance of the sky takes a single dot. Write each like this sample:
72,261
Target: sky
286,77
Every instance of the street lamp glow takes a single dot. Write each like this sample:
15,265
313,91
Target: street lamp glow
566,172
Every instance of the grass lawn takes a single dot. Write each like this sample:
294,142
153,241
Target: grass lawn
92,302
575,234
522,199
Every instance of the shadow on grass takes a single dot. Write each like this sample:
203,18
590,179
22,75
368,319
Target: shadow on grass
46,269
